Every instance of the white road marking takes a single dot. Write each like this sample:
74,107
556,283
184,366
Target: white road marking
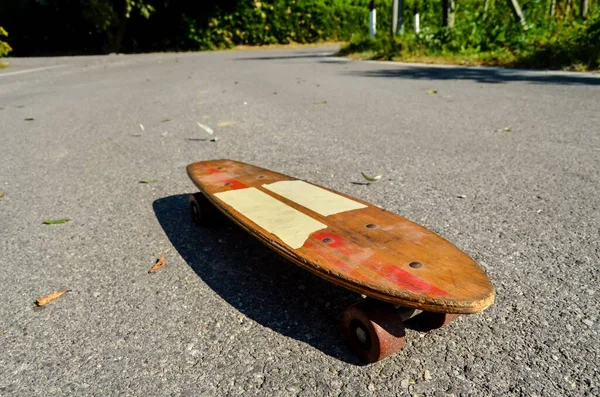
314,198
290,225
4,74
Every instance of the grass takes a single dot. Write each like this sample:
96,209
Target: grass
503,58
479,59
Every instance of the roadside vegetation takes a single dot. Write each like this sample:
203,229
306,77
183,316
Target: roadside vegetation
548,33
553,34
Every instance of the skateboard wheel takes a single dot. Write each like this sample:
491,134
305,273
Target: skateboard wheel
428,321
201,210
373,329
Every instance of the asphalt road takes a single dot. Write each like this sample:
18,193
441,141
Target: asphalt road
505,164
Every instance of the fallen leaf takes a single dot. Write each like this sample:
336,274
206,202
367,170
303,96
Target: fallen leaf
56,221
49,298
196,139
507,129
29,119
430,92
205,128
165,120
142,127
427,375
165,133
225,123
320,103
371,178
2,195
214,139
160,262
461,196
148,180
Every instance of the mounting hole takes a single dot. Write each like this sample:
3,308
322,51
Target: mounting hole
327,240
415,265
228,184
260,177
371,226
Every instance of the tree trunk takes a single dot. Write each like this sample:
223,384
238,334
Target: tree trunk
448,13
552,7
518,12
115,39
583,8
568,10
397,17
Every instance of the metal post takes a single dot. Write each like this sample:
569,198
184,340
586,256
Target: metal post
417,22
372,19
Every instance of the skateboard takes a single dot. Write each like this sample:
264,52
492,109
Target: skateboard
405,272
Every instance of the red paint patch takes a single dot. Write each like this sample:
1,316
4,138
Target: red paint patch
336,241
317,247
234,184
409,281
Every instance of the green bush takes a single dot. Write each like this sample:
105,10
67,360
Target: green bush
279,22
4,47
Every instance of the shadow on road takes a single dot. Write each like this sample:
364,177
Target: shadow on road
489,76
257,282
297,55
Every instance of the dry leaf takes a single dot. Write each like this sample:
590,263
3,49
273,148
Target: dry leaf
2,195
49,298
431,92
55,221
225,123
160,262
142,127
371,178
205,128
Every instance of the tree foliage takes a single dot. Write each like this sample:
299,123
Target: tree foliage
556,32
4,47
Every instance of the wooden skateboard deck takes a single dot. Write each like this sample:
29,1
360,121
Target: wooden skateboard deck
345,240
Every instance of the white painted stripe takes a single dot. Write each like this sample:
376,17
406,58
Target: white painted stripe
290,225
314,198
4,74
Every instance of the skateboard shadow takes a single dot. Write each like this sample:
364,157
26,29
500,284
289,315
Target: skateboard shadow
257,282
